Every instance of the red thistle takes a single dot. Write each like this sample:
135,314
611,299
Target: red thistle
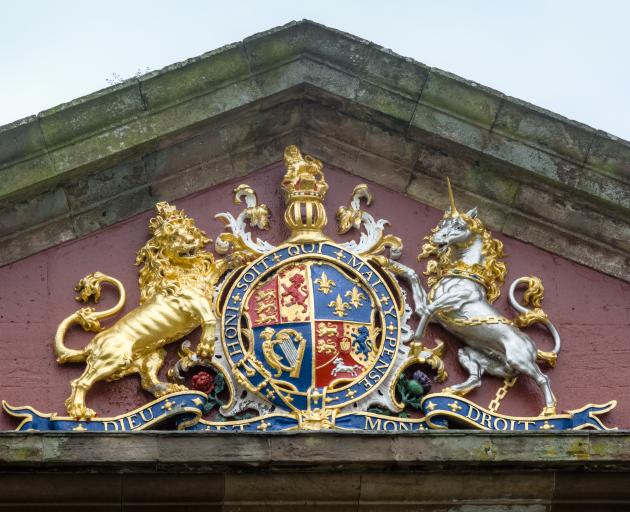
203,381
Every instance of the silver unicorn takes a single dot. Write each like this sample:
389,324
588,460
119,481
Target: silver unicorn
464,280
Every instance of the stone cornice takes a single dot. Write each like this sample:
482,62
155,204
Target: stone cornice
556,183
462,449
455,470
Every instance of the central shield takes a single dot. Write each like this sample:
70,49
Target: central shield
311,323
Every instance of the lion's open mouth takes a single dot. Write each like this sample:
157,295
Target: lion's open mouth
189,253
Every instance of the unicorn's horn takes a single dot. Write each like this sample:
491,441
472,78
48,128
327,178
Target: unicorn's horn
454,212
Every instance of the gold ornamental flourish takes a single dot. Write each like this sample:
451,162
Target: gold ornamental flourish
353,217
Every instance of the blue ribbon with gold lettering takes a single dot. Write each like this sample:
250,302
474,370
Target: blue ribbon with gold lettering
185,408
443,410
267,423
379,422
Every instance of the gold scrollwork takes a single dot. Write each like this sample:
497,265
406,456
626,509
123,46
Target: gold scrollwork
374,241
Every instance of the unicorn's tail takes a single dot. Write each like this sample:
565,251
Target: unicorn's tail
533,296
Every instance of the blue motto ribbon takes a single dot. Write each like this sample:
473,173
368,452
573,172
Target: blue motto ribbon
185,407
374,422
266,423
443,410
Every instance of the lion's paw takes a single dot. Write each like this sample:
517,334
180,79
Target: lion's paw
174,388
205,350
80,412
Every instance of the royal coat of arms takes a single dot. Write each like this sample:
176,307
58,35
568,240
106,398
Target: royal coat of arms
310,334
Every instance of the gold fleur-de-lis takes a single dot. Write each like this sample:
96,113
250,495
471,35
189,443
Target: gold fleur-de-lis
325,285
339,305
355,297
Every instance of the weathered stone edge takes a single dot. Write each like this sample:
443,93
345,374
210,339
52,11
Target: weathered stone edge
553,220
110,123
463,449
385,146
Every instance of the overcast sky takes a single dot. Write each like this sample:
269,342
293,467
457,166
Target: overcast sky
571,57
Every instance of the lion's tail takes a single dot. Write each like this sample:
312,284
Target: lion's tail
533,296
88,318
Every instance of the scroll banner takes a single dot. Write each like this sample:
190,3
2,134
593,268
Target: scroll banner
266,423
454,411
184,407
379,423
441,411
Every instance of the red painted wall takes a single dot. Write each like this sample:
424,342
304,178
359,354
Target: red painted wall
591,310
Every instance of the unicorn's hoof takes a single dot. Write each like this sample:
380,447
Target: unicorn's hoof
457,391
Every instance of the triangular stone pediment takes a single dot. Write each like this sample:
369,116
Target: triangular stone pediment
81,183
99,159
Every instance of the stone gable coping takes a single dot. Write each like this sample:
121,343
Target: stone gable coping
350,102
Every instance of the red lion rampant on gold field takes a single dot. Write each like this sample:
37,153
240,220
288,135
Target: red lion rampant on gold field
297,292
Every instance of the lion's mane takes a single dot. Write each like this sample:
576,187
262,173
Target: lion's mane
159,273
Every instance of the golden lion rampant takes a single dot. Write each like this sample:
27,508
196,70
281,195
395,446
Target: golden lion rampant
177,281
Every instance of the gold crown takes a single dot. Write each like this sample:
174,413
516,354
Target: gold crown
304,189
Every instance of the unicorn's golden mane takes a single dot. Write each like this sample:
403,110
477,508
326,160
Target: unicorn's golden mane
492,270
